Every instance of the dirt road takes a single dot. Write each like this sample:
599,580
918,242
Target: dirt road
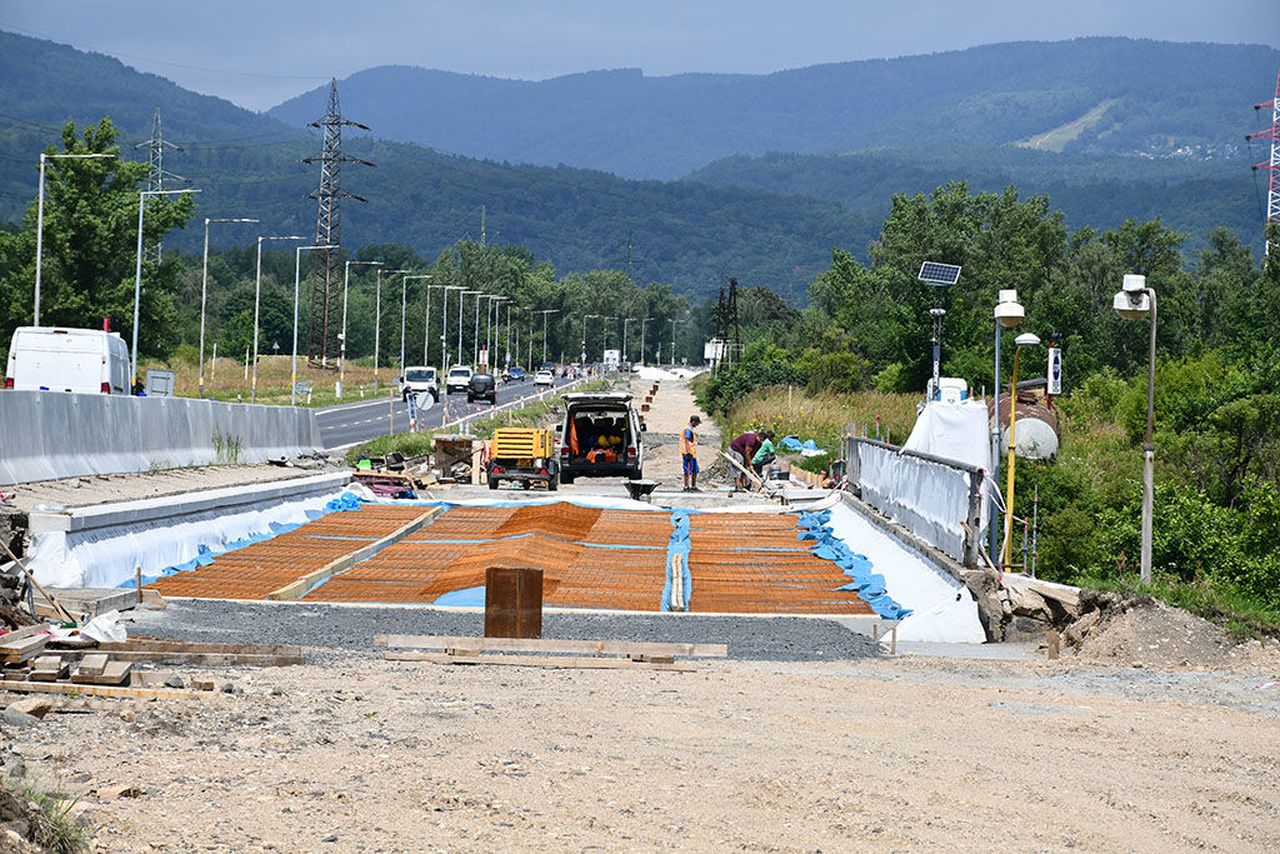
666,419
358,754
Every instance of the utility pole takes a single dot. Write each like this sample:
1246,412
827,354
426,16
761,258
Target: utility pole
1271,228
328,198
156,173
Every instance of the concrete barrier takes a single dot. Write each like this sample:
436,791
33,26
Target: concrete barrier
49,435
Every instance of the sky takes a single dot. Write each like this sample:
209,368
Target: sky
258,54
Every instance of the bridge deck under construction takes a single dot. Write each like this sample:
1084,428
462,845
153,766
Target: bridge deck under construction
590,558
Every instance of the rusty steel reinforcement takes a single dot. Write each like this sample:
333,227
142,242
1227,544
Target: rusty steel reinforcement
590,558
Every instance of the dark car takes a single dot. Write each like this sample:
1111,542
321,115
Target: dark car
517,375
482,387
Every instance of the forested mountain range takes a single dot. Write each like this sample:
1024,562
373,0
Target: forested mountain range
770,220
1110,96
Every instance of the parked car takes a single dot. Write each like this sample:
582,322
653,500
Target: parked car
601,436
482,387
417,380
457,379
56,358
544,378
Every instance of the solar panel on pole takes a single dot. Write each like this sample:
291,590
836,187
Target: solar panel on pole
934,273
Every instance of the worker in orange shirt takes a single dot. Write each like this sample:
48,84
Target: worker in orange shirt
689,454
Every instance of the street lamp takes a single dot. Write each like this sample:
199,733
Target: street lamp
297,286
1026,339
626,322
40,216
377,318
476,340
490,337
137,276
444,325
204,288
644,322
342,352
674,321
1133,301
604,335
404,310
461,297
257,301
544,312
1008,314
585,318
426,323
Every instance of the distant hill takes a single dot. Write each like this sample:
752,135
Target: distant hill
1190,196
769,220
1103,96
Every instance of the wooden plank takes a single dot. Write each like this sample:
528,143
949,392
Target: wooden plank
120,692
115,673
210,659
93,664
149,644
49,668
24,632
752,477
549,661
580,647
296,589
22,649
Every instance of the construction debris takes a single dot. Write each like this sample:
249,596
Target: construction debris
580,654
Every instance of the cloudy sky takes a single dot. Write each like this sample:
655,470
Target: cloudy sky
263,52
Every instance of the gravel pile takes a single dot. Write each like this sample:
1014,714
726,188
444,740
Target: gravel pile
347,628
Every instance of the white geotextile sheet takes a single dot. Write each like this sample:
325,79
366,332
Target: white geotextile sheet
106,557
912,490
942,609
953,431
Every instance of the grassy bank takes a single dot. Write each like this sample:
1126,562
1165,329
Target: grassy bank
789,410
225,380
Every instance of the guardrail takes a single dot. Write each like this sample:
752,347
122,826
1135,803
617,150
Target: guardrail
49,435
937,499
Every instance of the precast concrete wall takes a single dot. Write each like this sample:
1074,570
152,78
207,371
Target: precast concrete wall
49,435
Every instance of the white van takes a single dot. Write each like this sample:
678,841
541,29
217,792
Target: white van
53,358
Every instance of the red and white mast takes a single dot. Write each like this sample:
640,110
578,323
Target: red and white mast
1271,229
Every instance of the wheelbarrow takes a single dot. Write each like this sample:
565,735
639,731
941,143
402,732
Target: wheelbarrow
639,489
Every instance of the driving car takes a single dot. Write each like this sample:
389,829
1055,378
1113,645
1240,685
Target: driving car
544,378
482,387
457,379
517,375
418,379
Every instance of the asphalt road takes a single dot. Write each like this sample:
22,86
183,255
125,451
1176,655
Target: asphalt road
350,423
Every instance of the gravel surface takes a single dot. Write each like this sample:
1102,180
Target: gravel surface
353,628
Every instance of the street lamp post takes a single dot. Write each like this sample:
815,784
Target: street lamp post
204,288
40,218
426,322
585,318
137,275
257,301
1008,314
626,322
377,317
444,326
674,321
342,351
297,288
404,311
544,312
604,335
462,296
644,322
1026,339
1133,301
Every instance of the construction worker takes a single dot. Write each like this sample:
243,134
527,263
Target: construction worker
765,454
689,454
741,450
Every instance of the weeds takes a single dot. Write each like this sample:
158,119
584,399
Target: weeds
52,825
1240,614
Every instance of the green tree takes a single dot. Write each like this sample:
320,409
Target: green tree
90,229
